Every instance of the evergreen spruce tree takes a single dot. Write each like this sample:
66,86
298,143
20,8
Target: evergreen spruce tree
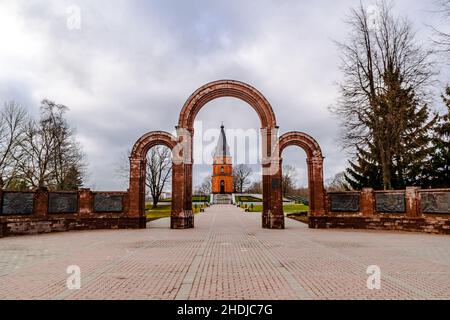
439,168
365,171
383,106
72,180
400,144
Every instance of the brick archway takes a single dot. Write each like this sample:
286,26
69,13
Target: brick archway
182,147
269,132
227,88
315,167
138,162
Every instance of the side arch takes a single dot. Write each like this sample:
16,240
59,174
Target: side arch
227,88
138,166
151,139
315,167
302,140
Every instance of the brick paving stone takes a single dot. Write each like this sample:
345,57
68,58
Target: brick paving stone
227,256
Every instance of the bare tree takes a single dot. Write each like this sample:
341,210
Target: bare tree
159,170
301,192
12,127
443,38
387,76
205,188
241,177
122,167
51,157
255,188
337,183
288,179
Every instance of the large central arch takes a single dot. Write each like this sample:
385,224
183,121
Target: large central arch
272,212
227,88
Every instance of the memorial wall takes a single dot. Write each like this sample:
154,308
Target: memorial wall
412,209
43,211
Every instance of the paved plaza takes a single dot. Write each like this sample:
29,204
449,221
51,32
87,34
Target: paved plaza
227,256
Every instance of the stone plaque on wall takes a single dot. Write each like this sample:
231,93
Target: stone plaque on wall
17,203
390,202
275,184
435,202
108,203
344,202
62,203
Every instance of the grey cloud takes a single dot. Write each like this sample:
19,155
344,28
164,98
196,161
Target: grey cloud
133,64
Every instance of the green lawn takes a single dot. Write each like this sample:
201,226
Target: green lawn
247,199
194,199
157,213
164,211
295,208
288,209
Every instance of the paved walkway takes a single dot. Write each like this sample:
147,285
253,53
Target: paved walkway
227,256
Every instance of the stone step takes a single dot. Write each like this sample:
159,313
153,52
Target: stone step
223,199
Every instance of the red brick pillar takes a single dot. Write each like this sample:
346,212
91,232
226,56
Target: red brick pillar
266,179
311,187
273,217
181,218
316,187
266,197
85,203
41,202
276,214
412,202
367,202
177,190
184,218
136,191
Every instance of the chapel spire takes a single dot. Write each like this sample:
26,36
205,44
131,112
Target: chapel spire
222,148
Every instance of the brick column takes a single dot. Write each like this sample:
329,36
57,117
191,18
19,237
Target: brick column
412,202
85,203
181,218
41,202
316,187
273,217
367,202
177,190
136,191
1,199
266,198
276,214
184,218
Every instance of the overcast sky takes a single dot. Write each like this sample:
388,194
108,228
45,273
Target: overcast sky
129,66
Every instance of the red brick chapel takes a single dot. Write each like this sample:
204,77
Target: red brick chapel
222,178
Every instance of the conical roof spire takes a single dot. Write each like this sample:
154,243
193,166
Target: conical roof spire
222,148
